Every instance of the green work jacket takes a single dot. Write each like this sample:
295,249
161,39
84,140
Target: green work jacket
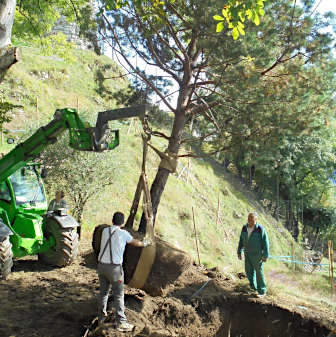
257,245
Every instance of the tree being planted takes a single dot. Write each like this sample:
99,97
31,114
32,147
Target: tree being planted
179,39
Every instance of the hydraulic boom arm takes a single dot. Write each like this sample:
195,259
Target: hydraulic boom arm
83,138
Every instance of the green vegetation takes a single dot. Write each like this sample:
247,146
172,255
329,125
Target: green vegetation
57,84
235,13
33,22
263,103
53,83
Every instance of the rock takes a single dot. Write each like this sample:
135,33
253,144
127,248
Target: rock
225,192
237,215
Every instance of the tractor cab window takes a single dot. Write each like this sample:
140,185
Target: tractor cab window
4,192
27,186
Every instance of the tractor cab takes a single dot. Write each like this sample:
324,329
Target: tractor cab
28,190
23,200
23,192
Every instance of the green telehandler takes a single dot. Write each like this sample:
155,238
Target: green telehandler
26,228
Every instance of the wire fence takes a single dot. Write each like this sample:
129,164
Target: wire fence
312,262
292,259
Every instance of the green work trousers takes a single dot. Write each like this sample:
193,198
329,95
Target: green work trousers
254,269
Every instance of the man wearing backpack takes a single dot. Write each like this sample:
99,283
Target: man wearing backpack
110,271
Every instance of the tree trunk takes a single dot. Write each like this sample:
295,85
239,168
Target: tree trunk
240,171
296,229
226,163
7,10
291,221
162,175
8,55
180,119
251,175
78,215
316,237
239,159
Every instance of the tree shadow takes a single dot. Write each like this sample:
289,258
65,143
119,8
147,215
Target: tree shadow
89,260
31,265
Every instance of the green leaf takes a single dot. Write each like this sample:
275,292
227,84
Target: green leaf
225,12
256,19
249,14
261,12
219,27
218,18
235,33
241,16
241,30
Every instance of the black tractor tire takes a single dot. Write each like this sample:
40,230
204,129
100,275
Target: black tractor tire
67,245
6,257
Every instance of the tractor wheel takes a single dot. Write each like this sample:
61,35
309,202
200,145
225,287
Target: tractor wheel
66,248
6,257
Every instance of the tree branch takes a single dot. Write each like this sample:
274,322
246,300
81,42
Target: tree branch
141,75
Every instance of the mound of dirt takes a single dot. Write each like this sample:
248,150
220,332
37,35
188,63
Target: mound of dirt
196,305
41,301
182,299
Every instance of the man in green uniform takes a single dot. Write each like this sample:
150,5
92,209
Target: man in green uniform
254,242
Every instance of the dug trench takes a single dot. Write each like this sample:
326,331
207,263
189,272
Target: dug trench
179,299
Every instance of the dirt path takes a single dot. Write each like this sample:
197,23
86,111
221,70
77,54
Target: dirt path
37,300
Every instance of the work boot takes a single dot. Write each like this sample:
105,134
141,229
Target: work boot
252,290
261,295
125,327
102,318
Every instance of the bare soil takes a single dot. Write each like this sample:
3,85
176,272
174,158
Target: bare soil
42,301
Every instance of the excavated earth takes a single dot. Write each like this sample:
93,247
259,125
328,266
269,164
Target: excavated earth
179,299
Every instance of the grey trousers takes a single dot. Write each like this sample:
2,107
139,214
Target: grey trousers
111,275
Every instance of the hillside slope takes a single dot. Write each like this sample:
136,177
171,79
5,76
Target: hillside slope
41,84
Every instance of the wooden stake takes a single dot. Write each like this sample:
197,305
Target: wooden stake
189,166
136,129
77,104
329,257
189,162
37,113
130,125
331,264
218,208
2,126
293,256
199,260
181,172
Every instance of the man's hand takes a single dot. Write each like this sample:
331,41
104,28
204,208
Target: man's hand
147,242
239,256
264,259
